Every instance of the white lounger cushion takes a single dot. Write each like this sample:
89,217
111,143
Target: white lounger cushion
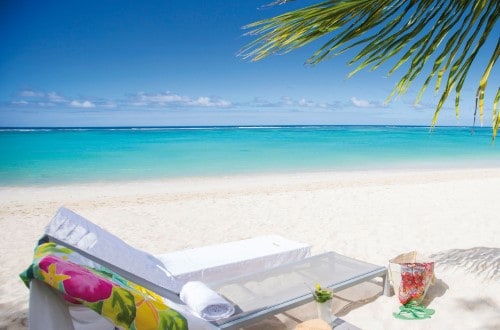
210,263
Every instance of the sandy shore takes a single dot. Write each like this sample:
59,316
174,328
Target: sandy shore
373,216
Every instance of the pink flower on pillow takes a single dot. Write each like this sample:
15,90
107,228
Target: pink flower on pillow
80,283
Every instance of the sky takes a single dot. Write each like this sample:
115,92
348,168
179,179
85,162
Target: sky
175,63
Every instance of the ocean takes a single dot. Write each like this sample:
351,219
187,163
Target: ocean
47,156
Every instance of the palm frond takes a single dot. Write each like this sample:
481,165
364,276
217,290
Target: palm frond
387,29
496,115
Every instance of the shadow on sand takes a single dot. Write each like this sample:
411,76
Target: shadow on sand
482,261
438,289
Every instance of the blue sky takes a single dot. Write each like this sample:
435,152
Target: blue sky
168,63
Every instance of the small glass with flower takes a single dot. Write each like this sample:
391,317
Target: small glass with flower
323,298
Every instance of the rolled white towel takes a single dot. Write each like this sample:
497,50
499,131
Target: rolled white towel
205,302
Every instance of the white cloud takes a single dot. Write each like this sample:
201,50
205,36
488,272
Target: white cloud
22,102
45,104
287,100
109,105
31,93
137,103
141,99
161,98
305,103
223,103
204,101
80,104
286,103
361,103
54,97
168,98
40,99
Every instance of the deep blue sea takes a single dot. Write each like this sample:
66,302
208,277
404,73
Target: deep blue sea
59,156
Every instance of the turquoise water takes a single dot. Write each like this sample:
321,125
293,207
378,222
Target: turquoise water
53,156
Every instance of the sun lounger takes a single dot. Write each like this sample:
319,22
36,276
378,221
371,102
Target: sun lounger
164,274
168,272
229,275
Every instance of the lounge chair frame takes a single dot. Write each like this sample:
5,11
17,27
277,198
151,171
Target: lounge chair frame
357,272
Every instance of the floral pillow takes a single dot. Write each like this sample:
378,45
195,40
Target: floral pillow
126,304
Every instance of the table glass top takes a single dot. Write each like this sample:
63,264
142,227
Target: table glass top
276,286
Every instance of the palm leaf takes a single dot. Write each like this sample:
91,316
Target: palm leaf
392,29
496,116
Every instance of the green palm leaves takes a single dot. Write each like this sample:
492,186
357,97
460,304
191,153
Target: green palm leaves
394,29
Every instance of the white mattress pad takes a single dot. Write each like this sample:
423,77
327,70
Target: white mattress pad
214,262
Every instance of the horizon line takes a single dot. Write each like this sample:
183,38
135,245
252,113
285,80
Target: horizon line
232,126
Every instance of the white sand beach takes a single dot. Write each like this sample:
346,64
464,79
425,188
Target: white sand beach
372,216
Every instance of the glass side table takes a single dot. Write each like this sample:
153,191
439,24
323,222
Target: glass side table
260,294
